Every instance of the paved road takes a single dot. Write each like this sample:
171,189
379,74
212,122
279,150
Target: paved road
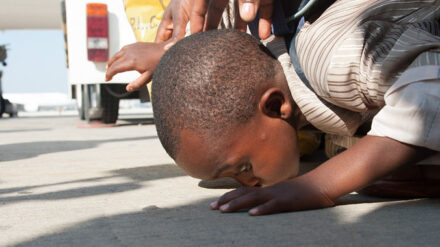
61,185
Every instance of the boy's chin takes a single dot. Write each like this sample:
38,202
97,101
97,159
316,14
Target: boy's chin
276,182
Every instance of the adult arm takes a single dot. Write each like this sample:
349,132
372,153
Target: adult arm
371,158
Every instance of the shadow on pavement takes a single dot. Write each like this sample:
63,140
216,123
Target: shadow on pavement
24,130
359,199
403,223
136,175
148,173
18,151
134,121
71,193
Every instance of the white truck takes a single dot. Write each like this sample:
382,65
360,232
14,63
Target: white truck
95,31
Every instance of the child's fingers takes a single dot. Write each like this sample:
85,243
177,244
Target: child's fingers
114,58
231,196
140,81
270,207
117,67
246,201
109,74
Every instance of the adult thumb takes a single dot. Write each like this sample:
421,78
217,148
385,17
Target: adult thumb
248,9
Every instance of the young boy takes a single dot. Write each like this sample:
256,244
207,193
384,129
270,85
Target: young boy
223,108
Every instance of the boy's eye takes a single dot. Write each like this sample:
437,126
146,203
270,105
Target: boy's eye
245,168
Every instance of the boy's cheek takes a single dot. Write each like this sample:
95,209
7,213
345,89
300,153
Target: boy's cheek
279,175
277,167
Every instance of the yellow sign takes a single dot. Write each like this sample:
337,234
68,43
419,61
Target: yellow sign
144,17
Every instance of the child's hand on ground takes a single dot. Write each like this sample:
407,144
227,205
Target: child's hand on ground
141,56
366,161
292,195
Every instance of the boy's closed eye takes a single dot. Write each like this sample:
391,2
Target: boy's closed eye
231,169
246,167
243,173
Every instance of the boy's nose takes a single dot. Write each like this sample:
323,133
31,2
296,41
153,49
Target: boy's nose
247,180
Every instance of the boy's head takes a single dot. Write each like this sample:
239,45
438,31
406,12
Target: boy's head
222,108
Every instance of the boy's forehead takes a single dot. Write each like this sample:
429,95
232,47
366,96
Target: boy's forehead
197,156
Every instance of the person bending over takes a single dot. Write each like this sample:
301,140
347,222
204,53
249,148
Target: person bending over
223,108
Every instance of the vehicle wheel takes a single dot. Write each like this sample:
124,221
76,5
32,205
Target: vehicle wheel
2,106
80,101
92,111
86,103
109,104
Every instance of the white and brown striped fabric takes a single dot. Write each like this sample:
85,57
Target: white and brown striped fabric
321,114
354,52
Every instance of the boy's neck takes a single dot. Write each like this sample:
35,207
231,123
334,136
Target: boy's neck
298,119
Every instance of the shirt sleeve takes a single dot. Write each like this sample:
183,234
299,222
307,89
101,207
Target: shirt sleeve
411,114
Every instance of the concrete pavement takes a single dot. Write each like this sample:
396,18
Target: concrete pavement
61,185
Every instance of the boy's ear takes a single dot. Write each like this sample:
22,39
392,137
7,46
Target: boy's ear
275,103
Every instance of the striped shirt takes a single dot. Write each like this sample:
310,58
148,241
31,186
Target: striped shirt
361,57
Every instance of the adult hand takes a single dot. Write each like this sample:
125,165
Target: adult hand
174,20
292,195
172,28
205,17
141,56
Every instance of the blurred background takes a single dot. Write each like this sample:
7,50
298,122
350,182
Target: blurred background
47,64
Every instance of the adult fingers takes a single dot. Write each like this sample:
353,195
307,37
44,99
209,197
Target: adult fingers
230,196
142,80
239,24
248,9
165,29
215,12
248,200
266,11
180,20
198,13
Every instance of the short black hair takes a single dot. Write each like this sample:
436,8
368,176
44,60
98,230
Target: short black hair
207,83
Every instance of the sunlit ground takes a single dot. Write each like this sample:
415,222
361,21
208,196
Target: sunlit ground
61,185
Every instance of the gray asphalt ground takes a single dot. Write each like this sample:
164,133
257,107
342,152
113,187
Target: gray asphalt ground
61,185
